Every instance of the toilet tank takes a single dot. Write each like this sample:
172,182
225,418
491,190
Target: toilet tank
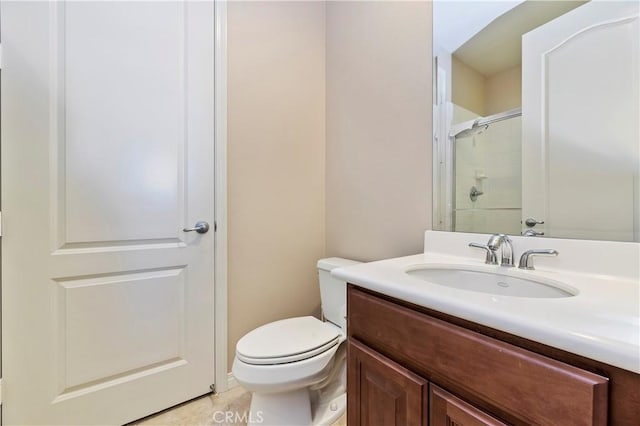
333,292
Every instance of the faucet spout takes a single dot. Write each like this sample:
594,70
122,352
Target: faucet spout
502,242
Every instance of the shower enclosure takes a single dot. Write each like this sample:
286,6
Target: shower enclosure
480,172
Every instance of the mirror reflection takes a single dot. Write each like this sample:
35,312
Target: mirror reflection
536,118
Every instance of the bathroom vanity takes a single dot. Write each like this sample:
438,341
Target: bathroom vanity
424,354
414,366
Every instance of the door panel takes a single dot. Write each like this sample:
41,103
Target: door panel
91,311
108,74
107,153
581,97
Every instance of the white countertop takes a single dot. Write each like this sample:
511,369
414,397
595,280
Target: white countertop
601,322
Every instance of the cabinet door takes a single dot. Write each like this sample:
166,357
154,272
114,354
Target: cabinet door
447,410
381,392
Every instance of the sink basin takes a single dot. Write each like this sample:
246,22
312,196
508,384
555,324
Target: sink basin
504,284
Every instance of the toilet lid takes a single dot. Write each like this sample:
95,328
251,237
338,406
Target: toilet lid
287,340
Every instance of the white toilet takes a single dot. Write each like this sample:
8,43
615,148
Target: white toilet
296,368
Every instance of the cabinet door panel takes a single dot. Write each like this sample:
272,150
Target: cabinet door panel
381,392
447,410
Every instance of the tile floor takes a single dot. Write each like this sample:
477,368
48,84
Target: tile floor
209,410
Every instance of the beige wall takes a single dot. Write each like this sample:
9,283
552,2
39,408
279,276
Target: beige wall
485,95
276,163
504,90
468,87
378,128
377,115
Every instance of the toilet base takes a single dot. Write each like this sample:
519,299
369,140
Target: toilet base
280,409
326,413
320,404
299,407
294,409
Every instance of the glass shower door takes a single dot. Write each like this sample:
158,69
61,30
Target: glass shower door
488,178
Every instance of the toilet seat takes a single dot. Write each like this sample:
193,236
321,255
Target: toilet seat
286,341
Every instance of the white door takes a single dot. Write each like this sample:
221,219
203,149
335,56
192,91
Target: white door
580,112
107,154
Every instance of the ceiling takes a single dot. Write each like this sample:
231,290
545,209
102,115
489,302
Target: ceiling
498,45
456,21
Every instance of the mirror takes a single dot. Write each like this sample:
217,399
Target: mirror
536,118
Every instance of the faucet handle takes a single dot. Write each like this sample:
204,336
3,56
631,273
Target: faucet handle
526,260
490,258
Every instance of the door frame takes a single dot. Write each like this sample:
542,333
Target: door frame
220,342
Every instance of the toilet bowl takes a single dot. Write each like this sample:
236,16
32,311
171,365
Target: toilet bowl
295,368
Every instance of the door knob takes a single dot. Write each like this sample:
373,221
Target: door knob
531,222
201,228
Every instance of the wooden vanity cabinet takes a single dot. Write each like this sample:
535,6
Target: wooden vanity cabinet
408,365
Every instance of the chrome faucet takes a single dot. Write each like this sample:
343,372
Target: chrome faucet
503,243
